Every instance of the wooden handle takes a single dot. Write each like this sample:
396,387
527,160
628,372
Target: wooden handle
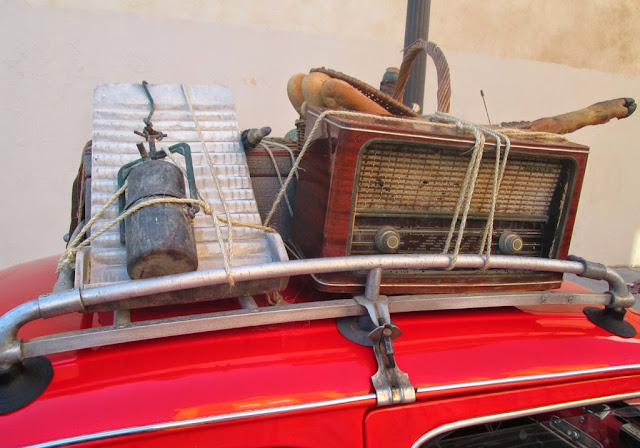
598,113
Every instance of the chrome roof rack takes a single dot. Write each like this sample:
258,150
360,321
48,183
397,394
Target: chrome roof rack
392,386
13,349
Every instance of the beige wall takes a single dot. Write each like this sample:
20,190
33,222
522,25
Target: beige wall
596,34
54,53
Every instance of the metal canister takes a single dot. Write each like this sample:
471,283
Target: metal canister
159,238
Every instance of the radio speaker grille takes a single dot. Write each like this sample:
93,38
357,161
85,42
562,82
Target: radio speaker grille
415,188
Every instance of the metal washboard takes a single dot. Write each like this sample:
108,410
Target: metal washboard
118,110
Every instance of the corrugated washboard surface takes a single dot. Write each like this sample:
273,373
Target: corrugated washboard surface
118,110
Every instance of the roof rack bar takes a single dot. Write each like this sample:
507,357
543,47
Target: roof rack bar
617,286
243,318
137,288
75,300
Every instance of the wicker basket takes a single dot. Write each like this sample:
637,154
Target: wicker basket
301,125
384,100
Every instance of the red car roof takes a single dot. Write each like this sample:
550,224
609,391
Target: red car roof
187,377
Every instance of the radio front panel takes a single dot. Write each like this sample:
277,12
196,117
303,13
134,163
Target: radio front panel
366,187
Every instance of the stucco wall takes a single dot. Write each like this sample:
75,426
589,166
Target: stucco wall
54,53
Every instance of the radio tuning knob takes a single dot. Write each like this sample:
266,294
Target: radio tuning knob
387,240
510,243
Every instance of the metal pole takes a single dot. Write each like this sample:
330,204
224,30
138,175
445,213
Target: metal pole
417,26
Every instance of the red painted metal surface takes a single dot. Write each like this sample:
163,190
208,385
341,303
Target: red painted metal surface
182,378
448,348
27,281
416,419
338,427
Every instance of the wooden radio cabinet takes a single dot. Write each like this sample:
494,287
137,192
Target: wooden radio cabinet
368,186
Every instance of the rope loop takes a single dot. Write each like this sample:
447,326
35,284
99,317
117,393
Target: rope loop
466,193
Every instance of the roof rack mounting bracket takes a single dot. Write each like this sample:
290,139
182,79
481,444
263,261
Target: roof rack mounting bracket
392,385
611,317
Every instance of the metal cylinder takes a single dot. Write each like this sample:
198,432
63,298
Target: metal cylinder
159,238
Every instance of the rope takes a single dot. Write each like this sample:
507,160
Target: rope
69,255
275,166
466,192
276,299
469,185
227,257
294,168
533,134
499,168
464,199
311,133
285,147
170,156
442,72
248,226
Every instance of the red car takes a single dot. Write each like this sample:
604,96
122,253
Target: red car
525,375
379,338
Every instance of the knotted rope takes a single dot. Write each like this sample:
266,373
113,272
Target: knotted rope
466,192
68,256
463,204
500,168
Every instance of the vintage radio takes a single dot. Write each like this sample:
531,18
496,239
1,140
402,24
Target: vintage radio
368,186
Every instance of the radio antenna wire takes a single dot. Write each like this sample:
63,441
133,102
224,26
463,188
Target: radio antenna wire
485,105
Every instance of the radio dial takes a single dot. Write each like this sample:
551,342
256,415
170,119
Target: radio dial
510,243
387,240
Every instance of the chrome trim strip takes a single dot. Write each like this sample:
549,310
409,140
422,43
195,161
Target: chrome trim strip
321,404
521,379
200,421
515,414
